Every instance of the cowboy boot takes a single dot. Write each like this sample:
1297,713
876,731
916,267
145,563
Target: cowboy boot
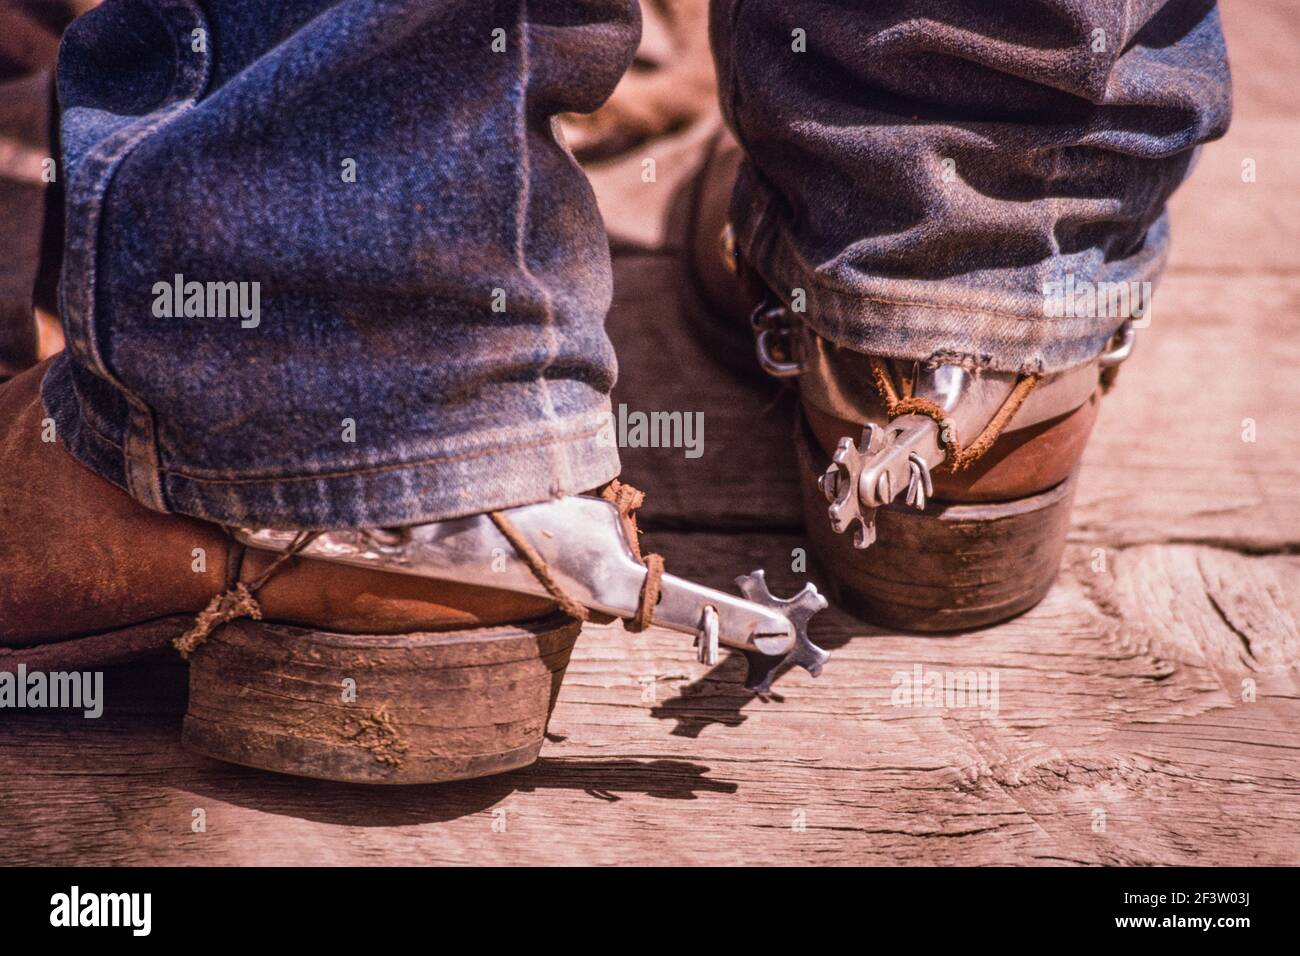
935,498
408,655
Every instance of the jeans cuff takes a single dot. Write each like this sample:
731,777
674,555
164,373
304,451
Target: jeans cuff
1021,326
553,458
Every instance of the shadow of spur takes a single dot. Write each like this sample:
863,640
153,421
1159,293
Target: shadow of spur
719,695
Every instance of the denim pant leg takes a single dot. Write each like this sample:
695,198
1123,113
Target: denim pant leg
975,182
327,263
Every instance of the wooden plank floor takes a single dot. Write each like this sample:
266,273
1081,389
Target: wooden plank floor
1148,711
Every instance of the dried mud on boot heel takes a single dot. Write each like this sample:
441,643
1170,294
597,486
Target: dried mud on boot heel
399,709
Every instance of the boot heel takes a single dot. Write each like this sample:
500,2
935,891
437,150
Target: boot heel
400,709
950,567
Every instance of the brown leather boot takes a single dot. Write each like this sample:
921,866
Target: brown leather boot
308,656
988,497
348,674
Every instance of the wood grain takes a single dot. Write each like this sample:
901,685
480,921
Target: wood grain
1147,712
1111,712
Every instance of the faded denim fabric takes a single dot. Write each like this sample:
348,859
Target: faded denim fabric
445,310
1067,124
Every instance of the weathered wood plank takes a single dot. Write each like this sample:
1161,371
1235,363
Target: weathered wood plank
745,477
1194,444
1147,710
1224,223
1239,213
636,190
1107,703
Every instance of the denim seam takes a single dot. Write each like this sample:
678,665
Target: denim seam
140,449
559,463
551,440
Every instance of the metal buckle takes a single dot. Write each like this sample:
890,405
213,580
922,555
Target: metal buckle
774,329
1121,346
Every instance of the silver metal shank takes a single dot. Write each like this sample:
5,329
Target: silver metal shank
580,538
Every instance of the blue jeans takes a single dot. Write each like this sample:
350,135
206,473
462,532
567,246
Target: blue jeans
976,182
329,264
